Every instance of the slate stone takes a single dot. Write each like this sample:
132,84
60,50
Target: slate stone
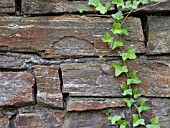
82,104
64,36
48,86
56,6
159,35
97,79
7,6
16,89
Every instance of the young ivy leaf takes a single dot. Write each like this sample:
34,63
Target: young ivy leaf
81,10
136,93
117,44
125,31
143,106
107,38
118,2
137,121
119,69
135,4
130,54
103,9
116,29
101,56
133,79
118,15
129,102
94,3
126,90
122,123
113,119
154,123
144,1
124,87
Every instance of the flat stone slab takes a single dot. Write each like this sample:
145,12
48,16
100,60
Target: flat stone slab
82,104
56,6
97,79
64,36
7,6
16,89
159,35
48,86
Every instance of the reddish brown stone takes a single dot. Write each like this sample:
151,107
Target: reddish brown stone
48,86
82,104
159,35
39,120
56,6
7,6
16,89
64,36
97,79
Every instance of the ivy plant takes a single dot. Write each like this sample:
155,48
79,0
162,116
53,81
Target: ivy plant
120,30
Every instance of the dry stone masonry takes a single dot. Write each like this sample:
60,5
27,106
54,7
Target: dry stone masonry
50,73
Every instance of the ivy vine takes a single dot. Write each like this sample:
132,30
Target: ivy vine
120,30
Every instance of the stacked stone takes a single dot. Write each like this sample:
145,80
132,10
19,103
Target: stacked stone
50,74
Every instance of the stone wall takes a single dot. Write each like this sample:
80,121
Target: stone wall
50,73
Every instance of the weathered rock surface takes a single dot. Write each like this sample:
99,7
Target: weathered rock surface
39,120
48,86
16,89
7,6
159,35
82,104
64,36
159,107
56,6
97,79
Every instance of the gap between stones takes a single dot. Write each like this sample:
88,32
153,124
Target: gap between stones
18,4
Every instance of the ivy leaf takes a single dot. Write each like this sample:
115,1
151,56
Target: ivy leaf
129,102
122,123
137,121
113,119
118,15
143,106
154,124
135,4
107,112
117,44
124,87
128,4
133,79
116,29
107,38
136,93
119,69
127,92
81,10
155,0
101,56
103,9
130,54
118,2
94,3
125,31
144,1
154,121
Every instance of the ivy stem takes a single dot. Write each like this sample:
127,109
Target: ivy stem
138,111
126,17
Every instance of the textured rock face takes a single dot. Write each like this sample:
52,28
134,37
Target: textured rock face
159,35
97,79
7,6
39,120
65,36
48,86
16,89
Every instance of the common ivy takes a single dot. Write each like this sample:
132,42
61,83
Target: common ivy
115,41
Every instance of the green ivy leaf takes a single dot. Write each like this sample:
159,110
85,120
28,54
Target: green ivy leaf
107,112
70,11
137,121
155,0
128,4
135,4
129,102
154,121
81,10
119,69
130,54
133,79
125,31
118,15
108,38
127,92
101,56
118,2
113,119
124,87
94,3
152,126
136,93
122,123
143,106
103,9
144,1
117,44
116,29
